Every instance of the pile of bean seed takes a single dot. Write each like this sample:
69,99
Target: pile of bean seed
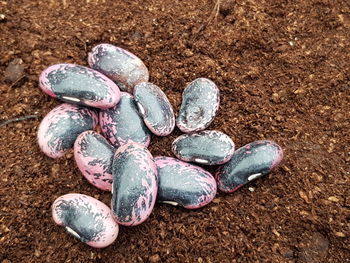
119,161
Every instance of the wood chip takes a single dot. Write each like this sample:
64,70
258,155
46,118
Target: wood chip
304,196
299,91
333,199
276,232
339,234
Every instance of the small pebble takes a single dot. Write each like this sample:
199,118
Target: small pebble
14,70
79,85
288,253
155,258
135,184
86,218
93,155
62,125
248,163
184,184
200,102
205,147
123,67
155,108
123,123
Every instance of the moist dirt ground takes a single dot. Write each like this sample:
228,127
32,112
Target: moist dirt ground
283,69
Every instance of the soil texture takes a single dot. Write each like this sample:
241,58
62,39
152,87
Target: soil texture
283,70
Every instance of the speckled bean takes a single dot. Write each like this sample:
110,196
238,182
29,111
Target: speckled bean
62,125
248,163
93,155
205,147
123,67
184,184
123,123
135,184
79,85
200,102
86,218
155,108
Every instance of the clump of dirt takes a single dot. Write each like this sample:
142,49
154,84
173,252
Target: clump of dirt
283,71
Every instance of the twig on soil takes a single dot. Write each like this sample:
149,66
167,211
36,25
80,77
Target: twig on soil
213,15
82,41
18,119
16,81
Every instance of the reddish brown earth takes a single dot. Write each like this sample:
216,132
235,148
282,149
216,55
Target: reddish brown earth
283,68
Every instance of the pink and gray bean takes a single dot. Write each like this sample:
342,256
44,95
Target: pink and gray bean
200,102
62,125
123,123
184,184
155,108
135,184
248,163
86,218
205,147
94,155
119,161
79,85
121,66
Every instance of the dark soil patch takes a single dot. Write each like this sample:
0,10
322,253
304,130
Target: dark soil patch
283,68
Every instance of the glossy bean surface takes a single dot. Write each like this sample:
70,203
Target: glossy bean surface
120,65
62,125
135,184
93,155
86,218
155,108
123,123
200,102
205,147
248,163
79,85
184,184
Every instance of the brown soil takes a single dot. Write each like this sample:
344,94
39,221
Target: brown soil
283,68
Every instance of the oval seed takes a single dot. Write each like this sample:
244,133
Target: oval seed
248,163
62,125
184,184
93,155
200,102
205,147
123,67
79,85
135,184
155,108
123,123
86,218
